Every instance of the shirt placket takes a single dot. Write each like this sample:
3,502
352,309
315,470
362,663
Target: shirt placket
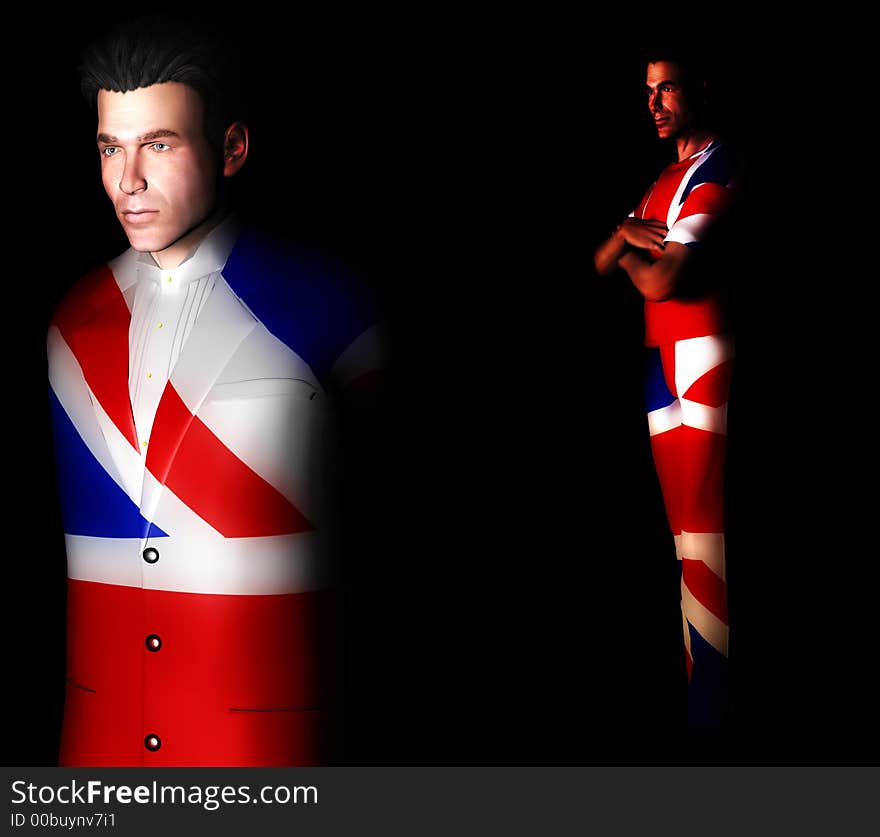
157,347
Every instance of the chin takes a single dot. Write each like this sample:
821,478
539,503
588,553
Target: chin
146,242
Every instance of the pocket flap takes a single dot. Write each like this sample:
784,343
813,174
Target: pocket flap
263,388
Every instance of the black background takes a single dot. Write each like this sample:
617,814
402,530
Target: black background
515,599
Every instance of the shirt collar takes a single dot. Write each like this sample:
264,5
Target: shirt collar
710,144
209,257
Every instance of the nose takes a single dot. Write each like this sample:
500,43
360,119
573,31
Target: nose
655,101
133,180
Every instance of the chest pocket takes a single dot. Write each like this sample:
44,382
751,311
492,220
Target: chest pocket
281,429
264,388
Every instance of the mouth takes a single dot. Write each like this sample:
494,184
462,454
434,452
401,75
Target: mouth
141,216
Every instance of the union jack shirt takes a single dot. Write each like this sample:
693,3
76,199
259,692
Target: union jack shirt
690,196
199,574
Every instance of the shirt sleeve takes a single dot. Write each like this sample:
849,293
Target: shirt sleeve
323,310
363,362
704,206
709,197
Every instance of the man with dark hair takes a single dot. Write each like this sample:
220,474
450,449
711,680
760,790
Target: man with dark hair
663,247
195,381
159,49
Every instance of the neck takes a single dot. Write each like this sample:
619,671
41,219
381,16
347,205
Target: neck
178,252
691,141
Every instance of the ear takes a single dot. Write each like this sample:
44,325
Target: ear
235,148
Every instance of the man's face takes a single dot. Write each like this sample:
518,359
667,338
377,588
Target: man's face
156,164
667,101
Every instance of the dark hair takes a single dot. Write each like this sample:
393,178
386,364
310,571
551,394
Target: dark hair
155,49
694,61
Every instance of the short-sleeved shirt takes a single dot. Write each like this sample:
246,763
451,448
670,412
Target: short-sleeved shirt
689,196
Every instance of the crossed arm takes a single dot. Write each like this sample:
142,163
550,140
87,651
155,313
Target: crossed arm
627,247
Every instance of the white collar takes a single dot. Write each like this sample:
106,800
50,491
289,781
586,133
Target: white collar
209,257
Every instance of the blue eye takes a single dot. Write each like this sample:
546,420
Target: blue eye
164,146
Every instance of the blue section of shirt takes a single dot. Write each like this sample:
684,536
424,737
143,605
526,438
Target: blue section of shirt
315,307
91,502
722,167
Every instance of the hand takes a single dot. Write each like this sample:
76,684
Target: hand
643,234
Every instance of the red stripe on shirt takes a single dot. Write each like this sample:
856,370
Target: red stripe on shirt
206,475
93,320
708,198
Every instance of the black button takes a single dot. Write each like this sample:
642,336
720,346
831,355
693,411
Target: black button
152,742
153,642
151,555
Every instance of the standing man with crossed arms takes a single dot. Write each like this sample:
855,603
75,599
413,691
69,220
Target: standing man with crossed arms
662,247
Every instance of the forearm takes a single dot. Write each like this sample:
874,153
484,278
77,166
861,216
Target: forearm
608,253
655,281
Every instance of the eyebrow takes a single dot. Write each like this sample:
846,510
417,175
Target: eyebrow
152,135
661,83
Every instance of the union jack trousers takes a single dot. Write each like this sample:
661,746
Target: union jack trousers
687,390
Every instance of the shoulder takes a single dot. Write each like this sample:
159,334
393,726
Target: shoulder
722,164
285,284
98,288
263,262
310,300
